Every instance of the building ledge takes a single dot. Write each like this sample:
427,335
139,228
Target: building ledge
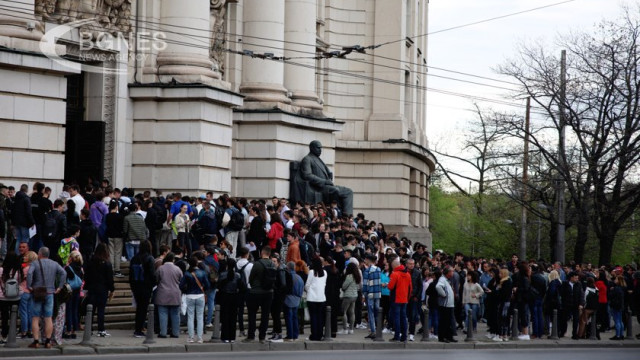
390,145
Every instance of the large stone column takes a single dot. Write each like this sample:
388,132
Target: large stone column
187,29
262,79
300,37
17,19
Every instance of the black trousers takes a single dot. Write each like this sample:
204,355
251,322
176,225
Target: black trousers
359,308
276,312
262,301
241,302
99,302
228,314
444,326
5,313
142,297
316,312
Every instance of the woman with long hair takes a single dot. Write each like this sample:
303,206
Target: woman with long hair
74,269
616,305
25,300
71,214
316,298
602,315
522,295
195,284
276,232
99,283
503,289
349,288
552,297
230,284
471,294
385,298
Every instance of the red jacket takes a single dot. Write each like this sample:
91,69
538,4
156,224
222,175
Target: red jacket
275,234
400,281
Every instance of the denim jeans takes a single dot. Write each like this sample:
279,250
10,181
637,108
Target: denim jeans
434,320
291,321
195,308
400,321
373,306
536,318
132,250
474,313
25,312
22,236
166,313
617,320
211,305
73,312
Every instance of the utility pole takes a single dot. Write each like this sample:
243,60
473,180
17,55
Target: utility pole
525,180
562,159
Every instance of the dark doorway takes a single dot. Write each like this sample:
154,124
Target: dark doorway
84,140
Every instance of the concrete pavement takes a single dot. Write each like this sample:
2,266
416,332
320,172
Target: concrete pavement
123,342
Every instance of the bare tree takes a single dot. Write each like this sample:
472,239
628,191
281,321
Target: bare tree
602,114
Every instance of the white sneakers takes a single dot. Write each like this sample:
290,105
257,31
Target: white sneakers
524,337
343,332
490,336
350,331
410,337
386,331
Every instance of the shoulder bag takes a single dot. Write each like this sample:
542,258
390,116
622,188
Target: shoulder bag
40,292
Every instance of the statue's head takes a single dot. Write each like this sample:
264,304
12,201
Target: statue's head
315,147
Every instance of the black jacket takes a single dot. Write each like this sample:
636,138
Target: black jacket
21,213
416,283
87,238
98,278
256,233
39,208
571,297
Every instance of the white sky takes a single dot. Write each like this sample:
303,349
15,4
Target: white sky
478,49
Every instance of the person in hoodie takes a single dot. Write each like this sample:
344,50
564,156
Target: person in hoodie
69,244
98,210
401,289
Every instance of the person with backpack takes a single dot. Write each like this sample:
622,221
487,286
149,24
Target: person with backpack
210,263
10,292
295,289
261,281
98,210
142,280
279,293
154,225
243,267
88,235
114,234
55,226
207,222
69,244
590,306
230,285
233,223
195,284
75,278
135,231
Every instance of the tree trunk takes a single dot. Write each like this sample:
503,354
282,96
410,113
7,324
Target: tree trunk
583,236
606,238
553,239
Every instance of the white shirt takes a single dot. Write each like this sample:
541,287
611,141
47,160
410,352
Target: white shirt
289,224
315,287
79,200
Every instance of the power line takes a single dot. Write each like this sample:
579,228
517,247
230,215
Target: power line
267,56
327,55
468,24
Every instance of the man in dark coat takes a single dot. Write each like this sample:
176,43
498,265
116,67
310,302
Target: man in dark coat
317,174
572,302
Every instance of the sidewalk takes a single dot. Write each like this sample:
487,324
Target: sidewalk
123,342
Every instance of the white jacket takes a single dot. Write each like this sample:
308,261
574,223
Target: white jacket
315,287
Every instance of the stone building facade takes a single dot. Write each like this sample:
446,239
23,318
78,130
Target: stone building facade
219,95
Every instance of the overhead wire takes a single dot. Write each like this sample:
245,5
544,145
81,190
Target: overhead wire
315,56
337,71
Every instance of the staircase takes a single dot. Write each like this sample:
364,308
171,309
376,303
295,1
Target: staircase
119,313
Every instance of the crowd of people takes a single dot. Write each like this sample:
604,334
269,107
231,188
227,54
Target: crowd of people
278,260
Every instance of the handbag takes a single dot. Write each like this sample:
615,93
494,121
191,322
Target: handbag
40,292
75,282
183,304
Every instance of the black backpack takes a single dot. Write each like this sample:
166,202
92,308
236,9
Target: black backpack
243,276
236,223
269,276
50,228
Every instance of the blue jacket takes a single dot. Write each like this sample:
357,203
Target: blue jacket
188,284
371,282
292,299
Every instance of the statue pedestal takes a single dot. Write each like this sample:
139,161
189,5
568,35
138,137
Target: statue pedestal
266,141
